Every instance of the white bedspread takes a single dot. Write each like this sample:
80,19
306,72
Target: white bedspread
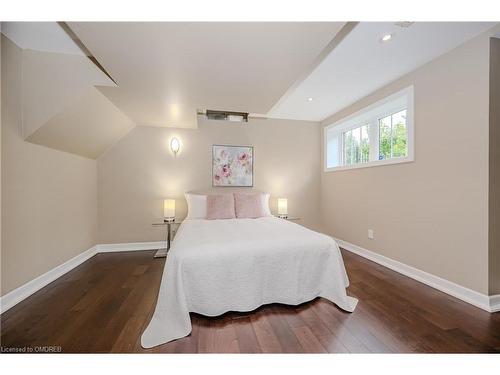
216,266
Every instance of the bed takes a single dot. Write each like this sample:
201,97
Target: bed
215,266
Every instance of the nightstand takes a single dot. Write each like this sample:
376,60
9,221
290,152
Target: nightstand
162,253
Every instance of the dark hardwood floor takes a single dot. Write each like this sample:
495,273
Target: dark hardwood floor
105,304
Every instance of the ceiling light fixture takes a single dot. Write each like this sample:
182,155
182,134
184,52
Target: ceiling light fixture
309,99
386,37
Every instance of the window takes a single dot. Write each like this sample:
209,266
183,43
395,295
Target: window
356,145
377,135
393,137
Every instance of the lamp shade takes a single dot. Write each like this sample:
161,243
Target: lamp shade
169,208
282,206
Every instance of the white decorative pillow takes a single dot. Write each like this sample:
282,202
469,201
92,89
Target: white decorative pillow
266,211
197,206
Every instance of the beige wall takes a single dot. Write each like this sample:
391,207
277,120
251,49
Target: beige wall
49,198
139,171
432,213
494,180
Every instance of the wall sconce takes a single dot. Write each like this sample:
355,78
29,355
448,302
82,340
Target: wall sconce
175,145
283,208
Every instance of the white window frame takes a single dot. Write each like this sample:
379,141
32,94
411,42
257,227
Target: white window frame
370,115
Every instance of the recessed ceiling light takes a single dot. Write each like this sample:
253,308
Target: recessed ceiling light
386,37
309,99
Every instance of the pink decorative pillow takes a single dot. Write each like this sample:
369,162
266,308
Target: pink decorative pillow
220,206
248,205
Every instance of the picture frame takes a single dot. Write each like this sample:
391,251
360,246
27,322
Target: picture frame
232,166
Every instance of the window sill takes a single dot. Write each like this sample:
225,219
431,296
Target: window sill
375,163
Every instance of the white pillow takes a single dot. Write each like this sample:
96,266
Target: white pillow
197,206
265,204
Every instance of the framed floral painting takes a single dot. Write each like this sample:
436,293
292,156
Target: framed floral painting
232,165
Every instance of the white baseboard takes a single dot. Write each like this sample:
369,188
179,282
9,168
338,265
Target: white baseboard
495,303
133,246
487,303
24,291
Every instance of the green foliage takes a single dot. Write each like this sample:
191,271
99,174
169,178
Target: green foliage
385,138
392,140
399,147
365,150
393,136
357,145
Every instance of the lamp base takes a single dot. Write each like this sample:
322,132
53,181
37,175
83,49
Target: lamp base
283,216
168,219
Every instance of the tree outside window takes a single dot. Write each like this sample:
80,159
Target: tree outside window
393,136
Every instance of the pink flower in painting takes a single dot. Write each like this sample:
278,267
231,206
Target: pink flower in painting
243,158
223,155
217,178
226,170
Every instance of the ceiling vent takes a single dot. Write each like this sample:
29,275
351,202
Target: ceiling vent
404,24
226,116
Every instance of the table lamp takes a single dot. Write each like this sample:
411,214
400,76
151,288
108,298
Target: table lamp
283,208
168,210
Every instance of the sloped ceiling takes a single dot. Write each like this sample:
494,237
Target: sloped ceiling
166,71
87,127
62,109
41,36
361,63
52,82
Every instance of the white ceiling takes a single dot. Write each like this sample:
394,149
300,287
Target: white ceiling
166,71
361,63
41,36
